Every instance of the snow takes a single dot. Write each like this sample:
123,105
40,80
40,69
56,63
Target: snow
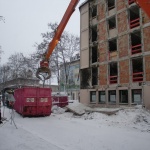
128,129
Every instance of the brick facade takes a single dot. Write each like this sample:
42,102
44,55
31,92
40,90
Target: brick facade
102,31
123,45
147,68
103,74
103,52
124,71
120,4
122,22
146,35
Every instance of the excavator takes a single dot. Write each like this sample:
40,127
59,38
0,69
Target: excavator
44,64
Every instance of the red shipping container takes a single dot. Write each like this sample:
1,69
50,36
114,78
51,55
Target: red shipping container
60,100
33,101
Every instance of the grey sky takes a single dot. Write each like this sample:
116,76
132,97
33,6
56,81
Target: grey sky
25,20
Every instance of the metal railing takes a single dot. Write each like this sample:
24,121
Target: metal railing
138,76
134,23
113,79
136,49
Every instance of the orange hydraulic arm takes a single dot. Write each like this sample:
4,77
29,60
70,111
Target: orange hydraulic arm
44,64
145,5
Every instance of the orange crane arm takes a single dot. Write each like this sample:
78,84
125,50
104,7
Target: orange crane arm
44,64
145,5
60,29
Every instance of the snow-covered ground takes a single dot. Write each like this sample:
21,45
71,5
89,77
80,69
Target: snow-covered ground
128,129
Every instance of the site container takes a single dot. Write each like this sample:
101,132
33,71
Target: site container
60,100
33,101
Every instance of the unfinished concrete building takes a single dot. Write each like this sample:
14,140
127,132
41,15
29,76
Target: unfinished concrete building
115,54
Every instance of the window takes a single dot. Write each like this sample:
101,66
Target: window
112,96
85,76
137,96
94,54
111,4
134,17
112,23
94,76
94,33
112,45
102,96
123,96
136,45
113,71
94,11
137,67
93,96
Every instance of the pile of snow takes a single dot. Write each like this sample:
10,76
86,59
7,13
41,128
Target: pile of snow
57,110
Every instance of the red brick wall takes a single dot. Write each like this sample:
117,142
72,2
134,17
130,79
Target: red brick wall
123,45
122,22
146,35
102,52
103,74
124,71
147,67
102,31
120,4
101,10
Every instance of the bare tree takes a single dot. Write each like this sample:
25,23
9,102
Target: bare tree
5,73
21,66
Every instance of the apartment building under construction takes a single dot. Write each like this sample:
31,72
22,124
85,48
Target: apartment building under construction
114,54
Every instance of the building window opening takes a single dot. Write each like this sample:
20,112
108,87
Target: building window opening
94,33
94,76
112,23
123,96
112,96
111,4
102,96
136,45
112,54
85,77
94,11
137,96
93,96
134,17
113,73
131,2
113,45
94,54
137,67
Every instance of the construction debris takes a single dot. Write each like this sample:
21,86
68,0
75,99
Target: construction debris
108,111
77,108
80,109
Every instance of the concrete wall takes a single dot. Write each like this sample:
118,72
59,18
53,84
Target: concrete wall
84,97
84,36
147,97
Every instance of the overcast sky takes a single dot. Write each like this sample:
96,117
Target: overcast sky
25,20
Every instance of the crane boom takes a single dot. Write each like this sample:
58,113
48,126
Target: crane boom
145,5
44,64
